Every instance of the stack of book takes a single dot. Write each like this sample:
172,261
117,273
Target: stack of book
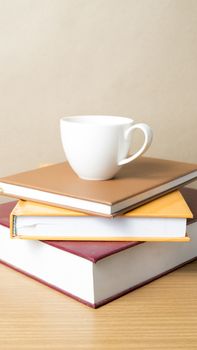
97,240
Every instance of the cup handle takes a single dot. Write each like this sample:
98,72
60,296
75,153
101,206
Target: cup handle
148,135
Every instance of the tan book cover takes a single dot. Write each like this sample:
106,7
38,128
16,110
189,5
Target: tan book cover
136,183
171,205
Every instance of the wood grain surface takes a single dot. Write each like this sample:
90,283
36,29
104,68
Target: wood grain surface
161,315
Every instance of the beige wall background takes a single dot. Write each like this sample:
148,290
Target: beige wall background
133,58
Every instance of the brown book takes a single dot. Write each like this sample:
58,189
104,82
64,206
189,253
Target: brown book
135,184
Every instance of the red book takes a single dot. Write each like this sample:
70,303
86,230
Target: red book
96,272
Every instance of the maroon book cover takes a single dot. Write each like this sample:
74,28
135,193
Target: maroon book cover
95,251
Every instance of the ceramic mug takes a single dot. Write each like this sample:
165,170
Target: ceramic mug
97,146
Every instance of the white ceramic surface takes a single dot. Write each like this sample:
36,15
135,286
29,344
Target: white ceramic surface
96,146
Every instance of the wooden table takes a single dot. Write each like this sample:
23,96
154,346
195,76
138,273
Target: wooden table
161,315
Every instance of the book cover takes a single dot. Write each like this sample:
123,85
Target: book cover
163,219
135,184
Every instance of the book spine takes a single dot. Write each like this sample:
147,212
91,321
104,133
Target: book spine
12,225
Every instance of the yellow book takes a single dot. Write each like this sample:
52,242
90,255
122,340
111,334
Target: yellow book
163,219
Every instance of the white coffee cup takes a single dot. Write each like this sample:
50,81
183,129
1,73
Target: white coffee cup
97,146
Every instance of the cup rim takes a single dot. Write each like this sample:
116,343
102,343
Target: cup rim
98,120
